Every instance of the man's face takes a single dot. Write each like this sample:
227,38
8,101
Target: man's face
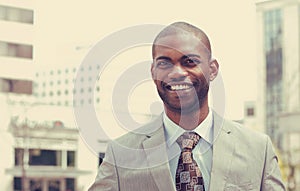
181,72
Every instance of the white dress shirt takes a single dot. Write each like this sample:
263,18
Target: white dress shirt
202,153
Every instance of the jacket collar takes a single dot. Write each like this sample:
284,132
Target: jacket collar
223,149
156,153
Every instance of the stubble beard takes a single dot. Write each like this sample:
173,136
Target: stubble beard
200,98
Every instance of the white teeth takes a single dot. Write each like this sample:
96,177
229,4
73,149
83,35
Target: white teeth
179,87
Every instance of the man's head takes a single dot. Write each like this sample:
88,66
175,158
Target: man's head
183,67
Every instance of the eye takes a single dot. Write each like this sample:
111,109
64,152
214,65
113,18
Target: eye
163,64
191,62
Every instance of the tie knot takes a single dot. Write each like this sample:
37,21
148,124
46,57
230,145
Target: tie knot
188,140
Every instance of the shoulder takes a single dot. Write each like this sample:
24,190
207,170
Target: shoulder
135,137
247,136
237,131
128,150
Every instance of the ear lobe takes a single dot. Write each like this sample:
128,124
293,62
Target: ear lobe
214,69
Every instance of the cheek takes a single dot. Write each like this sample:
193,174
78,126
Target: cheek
158,75
203,74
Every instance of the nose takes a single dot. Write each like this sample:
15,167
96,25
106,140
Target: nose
178,73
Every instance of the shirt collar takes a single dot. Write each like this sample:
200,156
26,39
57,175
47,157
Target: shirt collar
173,131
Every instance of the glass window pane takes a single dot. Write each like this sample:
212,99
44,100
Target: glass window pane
54,185
16,50
101,157
19,154
16,86
36,185
70,184
16,14
39,157
17,184
71,158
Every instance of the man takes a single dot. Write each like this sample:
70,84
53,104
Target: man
189,147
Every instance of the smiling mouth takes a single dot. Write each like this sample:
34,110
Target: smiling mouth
178,87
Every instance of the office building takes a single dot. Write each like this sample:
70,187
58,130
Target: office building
40,145
279,80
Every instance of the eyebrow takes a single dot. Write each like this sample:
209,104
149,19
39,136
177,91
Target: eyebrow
191,55
163,58
183,57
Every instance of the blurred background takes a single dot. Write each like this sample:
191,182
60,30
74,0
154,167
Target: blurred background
43,43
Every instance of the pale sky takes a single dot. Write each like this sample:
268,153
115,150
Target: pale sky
62,25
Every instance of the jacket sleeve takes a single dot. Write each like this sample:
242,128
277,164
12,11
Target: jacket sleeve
272,180
107,177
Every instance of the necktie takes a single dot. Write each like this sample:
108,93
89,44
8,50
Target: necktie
188,175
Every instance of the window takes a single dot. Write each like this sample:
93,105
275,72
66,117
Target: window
39,157
16,86
71,158
250,112
16,50
70,184
17,184
16,14
36,185
101,157
54,185
19,154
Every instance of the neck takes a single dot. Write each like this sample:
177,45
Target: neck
188,121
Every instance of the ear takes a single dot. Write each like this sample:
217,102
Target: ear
214,69
152,71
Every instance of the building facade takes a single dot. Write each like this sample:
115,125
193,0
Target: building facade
41,153
55,86
16,46
16,71
279,81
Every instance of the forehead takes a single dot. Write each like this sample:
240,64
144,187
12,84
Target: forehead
181,43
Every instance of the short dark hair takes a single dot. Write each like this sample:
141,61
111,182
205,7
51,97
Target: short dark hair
183,28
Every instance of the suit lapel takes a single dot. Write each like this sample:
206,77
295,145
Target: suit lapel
155,149
223,149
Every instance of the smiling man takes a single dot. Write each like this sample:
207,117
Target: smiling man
189,147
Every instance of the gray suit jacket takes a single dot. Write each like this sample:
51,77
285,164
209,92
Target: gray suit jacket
242,160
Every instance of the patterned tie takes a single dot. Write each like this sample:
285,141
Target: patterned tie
188,175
